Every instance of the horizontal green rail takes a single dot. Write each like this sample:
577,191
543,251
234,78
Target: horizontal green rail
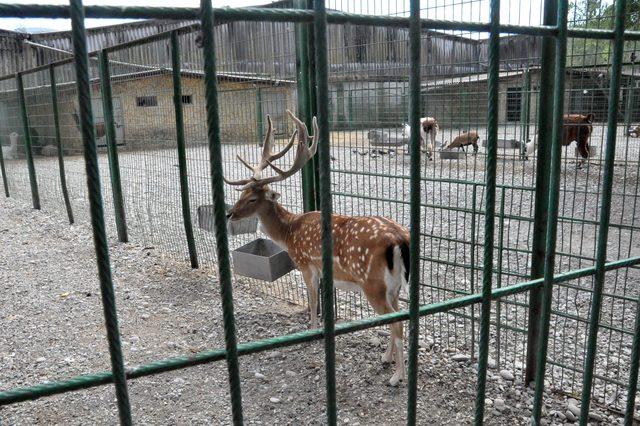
177,363
291,15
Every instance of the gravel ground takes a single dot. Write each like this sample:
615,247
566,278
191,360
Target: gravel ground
53,329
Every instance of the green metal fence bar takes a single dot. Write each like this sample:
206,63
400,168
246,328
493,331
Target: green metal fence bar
303,89
541,197
414,218
633,373
472,277
525,111
220,221
177,363
182,156
490,205
499,325
33,181
56,129
324,152
97,211
552,208
112,148
5,182
605,209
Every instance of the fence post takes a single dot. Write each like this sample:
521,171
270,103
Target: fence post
525,111
4,174
220,213
81,61
112,149
182,156
302,70
605,209
56,127
35,195
552,208
414,206
312,105
545,114
260,123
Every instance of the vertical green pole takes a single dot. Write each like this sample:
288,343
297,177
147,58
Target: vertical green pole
324,150
5,182
490,200
220,214
81,61
302,69
524,111
56,128
552,209
633,373
499,277
545,117
35,196
414,205
605,209
112,149
472,281
313,105
260,122
182,156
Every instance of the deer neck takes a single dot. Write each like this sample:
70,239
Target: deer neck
276,221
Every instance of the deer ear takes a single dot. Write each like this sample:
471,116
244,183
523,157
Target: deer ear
272,195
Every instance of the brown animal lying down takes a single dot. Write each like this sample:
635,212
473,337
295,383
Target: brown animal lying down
577,127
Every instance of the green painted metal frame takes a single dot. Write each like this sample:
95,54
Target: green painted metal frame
81,62
219,209
58,139
182,156
545,222
552,208
112,147
3,171
28,150
605,209
414,215
541,196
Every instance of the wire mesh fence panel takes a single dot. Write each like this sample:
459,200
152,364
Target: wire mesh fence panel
257,76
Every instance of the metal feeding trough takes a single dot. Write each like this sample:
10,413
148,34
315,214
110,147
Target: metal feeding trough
236,227
392,137
451,154
505,143
262,259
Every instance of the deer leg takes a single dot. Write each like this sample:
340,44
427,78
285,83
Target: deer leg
382,305
312,282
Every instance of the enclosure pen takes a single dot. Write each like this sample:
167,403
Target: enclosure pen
530,275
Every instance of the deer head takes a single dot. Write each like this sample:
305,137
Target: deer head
256,196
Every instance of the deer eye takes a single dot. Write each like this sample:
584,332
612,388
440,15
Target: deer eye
253,200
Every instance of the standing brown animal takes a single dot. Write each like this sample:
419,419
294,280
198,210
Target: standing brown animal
371,254
576,127
464,139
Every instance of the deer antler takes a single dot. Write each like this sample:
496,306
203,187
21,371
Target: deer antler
267,156
304,153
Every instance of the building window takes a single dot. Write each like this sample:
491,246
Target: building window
147,101
514,103
187,100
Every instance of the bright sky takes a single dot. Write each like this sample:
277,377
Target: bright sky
521,12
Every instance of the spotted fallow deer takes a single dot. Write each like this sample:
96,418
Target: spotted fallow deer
370,254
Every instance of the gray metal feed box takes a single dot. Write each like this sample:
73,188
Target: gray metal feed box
236,227
262,259
505,143
453,154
